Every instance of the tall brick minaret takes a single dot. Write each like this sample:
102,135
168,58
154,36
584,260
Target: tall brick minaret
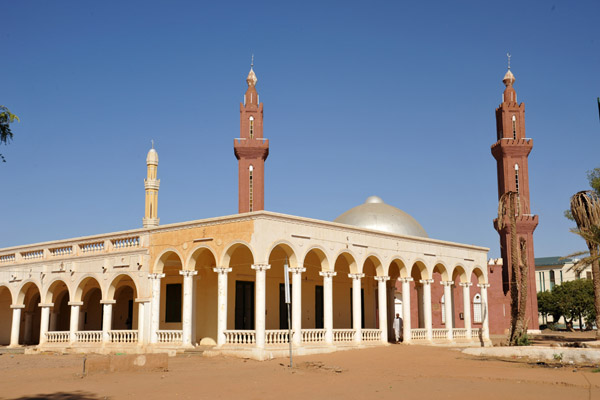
251,150
511,152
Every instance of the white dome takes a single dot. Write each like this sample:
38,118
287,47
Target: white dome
375,214
152,158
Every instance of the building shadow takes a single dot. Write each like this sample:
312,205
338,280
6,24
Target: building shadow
62,396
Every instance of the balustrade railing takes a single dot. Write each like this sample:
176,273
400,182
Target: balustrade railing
240,337
61,251
343,335
92,247
459,333
57,337
418,334
6,258
169,336
88,336
32,255
125,243
371,335
476,332
277,336
313,335
440,333
123,336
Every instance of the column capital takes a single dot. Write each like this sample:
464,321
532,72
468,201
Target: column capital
261,267
483,285
297,270
327,274
155,275
406,280
108,301
17,306
446,283
187,273
426,281
381,278
466,284
356,276
46,305
75,303
222,270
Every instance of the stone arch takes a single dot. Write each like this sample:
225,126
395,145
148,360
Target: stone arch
201,256
397,268
419,270
288,249
58,294
314,254
29,295
88,291
377,264
441,268
438,314
459,272
123,290
478,272
203,260
346,258
236,247
5,314
167,256
54,288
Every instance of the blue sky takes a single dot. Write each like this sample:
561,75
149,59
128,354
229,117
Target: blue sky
395,99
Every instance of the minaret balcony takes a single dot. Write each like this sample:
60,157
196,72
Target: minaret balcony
251,148
512,147
150,184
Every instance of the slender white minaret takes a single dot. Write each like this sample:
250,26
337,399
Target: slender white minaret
151,184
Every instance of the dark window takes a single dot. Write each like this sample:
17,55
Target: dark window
588,274
283,307
173,307
552,279
319,307
244,305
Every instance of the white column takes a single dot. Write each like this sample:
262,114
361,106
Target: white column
467,306
16,324
155,307
140,320
356,306
260,303
328,304
406,329
74,322
106,319
45,320
448,307
188,285
297,304
427,306
382,299
485,328
221,303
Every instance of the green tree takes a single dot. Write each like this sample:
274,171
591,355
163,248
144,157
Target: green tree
6,118
575,301
547,305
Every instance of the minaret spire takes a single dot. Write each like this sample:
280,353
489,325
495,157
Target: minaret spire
251,149
151,185
511,151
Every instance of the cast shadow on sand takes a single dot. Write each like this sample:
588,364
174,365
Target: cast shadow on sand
62,396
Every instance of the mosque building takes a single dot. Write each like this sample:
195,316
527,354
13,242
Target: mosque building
219,283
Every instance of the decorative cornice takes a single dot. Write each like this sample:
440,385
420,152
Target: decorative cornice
261,267
297,270
446,283
381,278
187,273
406,280
156,276
222,270
426,281
483,285
356,276
327,274
466,284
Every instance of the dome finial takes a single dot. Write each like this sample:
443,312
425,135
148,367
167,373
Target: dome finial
152,140
252,62
508,55
509,78
251,79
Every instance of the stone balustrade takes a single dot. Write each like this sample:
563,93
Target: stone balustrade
371,335
459,333
439,333
57,337
240,337
169,336
343,335
418,334
74,248
313,335
279,336
123,336
88,336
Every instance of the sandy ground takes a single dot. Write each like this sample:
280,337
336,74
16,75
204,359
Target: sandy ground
397,371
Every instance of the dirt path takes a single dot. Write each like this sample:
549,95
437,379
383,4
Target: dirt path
406,372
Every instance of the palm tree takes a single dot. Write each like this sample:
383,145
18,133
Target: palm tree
6,118
585,208
508,206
